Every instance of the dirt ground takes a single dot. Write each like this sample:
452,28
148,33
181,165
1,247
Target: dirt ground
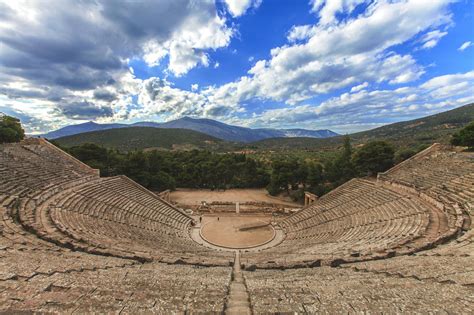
194,197
225,231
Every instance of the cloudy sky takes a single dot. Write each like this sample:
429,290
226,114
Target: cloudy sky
345,65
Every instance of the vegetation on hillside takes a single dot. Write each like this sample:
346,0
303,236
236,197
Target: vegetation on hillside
10,129
139,138
295,177
465,137
411,134
373,157
159,170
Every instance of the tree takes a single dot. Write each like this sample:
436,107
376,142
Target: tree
315,174
341,169
373,157
404,154
465,137
284,175
10,129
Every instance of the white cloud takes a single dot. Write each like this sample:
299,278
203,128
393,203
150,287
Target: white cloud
447,80
301,32
350,112
431,39
327,9
465,46
239,7
157,97
347,53
359,87
110,34
74,58
356,52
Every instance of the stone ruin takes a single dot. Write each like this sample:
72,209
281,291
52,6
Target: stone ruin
71,241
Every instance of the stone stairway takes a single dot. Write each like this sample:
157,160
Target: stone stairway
238,300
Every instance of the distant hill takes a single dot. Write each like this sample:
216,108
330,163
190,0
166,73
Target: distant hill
412,133
241,134
81,128
208,126
126,139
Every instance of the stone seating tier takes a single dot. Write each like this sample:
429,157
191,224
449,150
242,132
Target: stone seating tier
71,241
358,221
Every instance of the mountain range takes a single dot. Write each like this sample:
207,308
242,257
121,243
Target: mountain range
207,126
408,134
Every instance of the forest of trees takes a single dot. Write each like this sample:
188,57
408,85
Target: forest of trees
160,170
295,177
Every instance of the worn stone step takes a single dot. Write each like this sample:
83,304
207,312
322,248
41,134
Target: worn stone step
239,294
238,310
234,303
238,287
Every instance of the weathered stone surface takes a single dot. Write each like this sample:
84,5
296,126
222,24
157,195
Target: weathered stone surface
72,242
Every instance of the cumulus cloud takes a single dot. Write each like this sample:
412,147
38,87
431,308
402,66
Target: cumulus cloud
45,46
157,97
76,53
105,95
53,72
347,53
361,108
465,46
84,110
239,7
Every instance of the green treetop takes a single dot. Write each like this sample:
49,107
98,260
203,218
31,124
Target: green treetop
10,129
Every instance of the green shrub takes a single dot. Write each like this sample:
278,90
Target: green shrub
465,137
10,129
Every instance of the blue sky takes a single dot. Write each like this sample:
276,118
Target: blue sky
344,65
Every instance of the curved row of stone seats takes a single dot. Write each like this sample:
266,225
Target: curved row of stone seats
24,172
52,155
24,256
116,216
38,276
444,176
360,220
328,290
140,289
440,171
461,190
434,166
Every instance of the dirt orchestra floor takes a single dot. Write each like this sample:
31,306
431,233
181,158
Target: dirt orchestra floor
224,230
